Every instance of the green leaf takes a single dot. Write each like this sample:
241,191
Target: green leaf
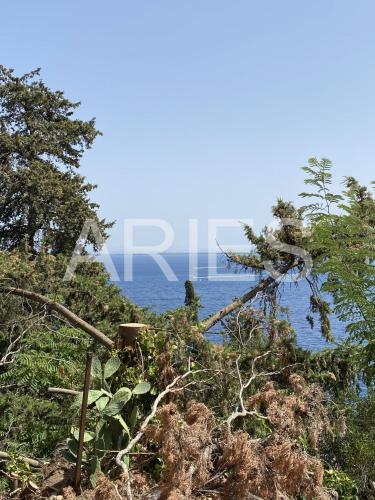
96,368
95,468
133,417
142,388
118,401
93,395
104,441
107,393
99,426
101,403
72,446
68,456
123,424
88,435
111,367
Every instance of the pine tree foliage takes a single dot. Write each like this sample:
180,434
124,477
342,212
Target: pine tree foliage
43,200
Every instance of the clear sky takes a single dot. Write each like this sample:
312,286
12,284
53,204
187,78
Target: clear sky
208,108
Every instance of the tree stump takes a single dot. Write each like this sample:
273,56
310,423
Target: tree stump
128,333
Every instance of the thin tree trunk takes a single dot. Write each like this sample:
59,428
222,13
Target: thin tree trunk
73,319
236,304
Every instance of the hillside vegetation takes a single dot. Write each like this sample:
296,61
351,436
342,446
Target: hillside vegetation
172,415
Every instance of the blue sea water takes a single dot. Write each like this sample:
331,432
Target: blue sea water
151,288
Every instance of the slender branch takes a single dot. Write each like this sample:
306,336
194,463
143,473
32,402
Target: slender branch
61,390
73,319
241,410
2,387
150,416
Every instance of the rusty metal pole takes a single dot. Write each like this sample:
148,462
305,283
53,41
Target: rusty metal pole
82,422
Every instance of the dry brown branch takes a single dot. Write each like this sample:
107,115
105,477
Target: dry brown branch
185,445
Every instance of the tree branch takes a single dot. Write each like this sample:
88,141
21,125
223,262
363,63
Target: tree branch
73,319
251,294
30,461
61,390
241,410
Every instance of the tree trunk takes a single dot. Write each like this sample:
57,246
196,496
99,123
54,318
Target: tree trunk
236,304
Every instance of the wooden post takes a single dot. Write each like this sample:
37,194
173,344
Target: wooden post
82,422
128,333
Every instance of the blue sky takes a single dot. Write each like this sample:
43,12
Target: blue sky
208,108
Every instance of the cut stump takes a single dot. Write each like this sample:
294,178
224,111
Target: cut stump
128,333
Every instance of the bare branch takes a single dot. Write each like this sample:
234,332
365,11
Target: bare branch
73,319
13,349
61,390
241,411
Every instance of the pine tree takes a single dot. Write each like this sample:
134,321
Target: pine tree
43,200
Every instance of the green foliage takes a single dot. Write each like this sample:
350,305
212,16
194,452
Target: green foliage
31,425
343,244
4,485
342,483
43,201
274,247
334,369
192,301
48,352
142,388
18,467
43,205
111,367
321,307
352,449
320,177
112,417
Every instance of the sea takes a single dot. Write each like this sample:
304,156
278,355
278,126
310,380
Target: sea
159,286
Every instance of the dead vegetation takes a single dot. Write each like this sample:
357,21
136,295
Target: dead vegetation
204,458
185,445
